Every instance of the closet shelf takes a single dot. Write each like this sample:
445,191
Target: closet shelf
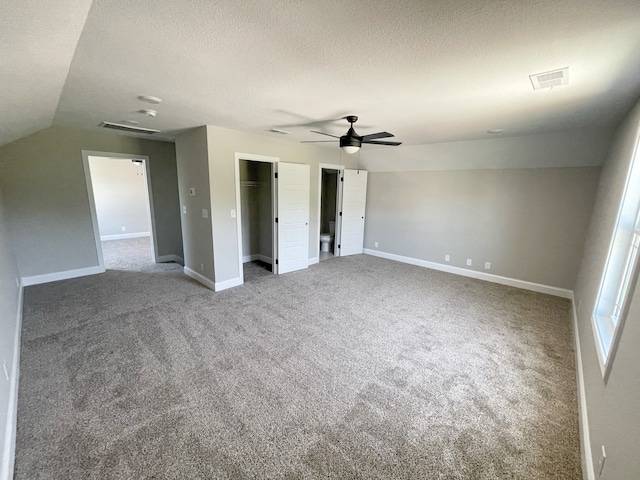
249,183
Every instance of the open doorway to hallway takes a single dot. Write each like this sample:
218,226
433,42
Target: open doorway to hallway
119,189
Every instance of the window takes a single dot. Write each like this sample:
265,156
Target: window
621,271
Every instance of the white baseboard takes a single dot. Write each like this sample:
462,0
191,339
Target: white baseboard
512,282
585,438
234,282
8,452
122,236
257,256
171,258
67,274
314,260
200,278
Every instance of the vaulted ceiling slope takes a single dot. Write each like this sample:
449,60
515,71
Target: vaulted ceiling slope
429,72
37,43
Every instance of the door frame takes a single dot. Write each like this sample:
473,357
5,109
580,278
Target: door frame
252,157
338,231
92,202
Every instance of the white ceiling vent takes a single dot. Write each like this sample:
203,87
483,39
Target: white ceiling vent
128,128
555,78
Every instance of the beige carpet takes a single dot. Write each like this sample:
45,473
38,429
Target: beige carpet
358,367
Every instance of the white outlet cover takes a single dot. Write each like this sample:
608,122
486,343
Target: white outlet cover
184,209
233,213
469,262
447,258
487,265
205,213
376,244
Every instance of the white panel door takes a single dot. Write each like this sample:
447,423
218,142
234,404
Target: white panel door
293,217
354,198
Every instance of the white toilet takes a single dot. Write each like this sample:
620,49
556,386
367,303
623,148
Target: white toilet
326,239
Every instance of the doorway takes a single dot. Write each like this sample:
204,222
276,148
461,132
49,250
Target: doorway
256,218
122,214
329,201
329,192
289,202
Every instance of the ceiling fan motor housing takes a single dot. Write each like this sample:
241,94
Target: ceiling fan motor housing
351,139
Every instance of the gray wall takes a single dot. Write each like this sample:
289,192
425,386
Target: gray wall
10,313
575,148
120,194
613,407
223,144
193,172
47,203
529,223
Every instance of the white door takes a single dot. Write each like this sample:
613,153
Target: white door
354,198
293,217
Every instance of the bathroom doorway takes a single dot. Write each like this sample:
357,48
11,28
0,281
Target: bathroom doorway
330,181
256,215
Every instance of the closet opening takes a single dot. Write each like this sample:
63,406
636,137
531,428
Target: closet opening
256,215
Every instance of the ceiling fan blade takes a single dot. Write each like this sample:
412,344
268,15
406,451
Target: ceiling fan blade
375,142
373,136
318,141
322,133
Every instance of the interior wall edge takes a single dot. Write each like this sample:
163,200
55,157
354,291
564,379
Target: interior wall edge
583,418
8,454
199,278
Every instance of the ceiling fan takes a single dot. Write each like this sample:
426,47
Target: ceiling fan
351,141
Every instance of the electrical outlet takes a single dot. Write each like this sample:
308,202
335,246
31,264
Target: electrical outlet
579,305
124,229
469,262
487,265
233,213
447,258
375,244
202,267
184,209
6,372
17,282
205,213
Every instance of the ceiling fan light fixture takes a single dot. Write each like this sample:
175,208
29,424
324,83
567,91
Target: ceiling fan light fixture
351,142
350,149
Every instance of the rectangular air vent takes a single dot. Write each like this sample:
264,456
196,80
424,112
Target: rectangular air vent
555,78
128,128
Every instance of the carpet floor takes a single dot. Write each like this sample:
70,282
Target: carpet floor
356,368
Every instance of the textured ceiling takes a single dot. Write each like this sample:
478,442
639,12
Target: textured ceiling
37,43
429,72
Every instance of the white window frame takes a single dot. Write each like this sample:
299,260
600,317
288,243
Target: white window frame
621,270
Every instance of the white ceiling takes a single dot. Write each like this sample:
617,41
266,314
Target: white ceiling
429,72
